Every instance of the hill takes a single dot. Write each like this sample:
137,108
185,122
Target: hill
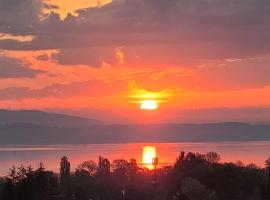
43,119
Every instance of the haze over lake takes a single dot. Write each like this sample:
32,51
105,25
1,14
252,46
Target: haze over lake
248,152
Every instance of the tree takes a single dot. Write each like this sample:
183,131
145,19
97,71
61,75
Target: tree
41,167
133,169
89,166
120,171
195,190
120,166
42,184
8,191
252,166
104,167
84,186
267,166
22,172
65,176
180,159
195,159
64,168
267,163
212,157
12,176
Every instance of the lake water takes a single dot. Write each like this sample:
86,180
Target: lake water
247,152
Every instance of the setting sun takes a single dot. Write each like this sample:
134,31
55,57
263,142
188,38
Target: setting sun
149,105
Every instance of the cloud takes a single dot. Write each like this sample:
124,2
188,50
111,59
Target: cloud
94,57
234,74
153,33
14,93
50,6
19,16
15,68
229,27
43,57
84,89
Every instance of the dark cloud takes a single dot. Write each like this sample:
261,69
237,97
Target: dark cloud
84,89
240,26
85,56
15,68
18,17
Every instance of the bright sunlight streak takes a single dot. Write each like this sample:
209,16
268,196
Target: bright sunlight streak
149,153
149,105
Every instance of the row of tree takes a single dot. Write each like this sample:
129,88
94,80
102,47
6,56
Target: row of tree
192,177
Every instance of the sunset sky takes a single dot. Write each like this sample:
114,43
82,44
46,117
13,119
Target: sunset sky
199,60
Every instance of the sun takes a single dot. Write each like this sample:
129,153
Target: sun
149,105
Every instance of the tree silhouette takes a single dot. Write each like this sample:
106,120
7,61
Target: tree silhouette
212,157
64,168
195,190
133,170
120,166
65,176
104,167
267,163
12,176
89,166
195,176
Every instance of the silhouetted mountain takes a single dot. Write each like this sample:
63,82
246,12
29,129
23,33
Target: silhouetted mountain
43,118
36,134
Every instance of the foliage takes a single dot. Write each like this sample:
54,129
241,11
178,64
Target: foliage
90,166
195,190
64,168
193,176
25,184
212,157
267,163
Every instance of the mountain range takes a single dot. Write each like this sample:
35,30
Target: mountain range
36,127
44,119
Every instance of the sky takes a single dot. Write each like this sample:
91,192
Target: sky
200,60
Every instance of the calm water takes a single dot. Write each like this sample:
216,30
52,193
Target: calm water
248,152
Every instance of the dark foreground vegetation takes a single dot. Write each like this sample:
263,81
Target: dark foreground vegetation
192,177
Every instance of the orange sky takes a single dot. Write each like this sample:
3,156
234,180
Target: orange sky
70,6
110,56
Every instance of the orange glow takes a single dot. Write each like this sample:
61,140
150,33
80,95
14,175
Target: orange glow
149,153
21,38
114,87
138,94
149,105
72,6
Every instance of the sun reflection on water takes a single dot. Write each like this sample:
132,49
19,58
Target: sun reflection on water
148,155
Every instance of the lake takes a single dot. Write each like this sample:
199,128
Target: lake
247,152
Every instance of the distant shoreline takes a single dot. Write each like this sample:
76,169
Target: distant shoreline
61,146
32,134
